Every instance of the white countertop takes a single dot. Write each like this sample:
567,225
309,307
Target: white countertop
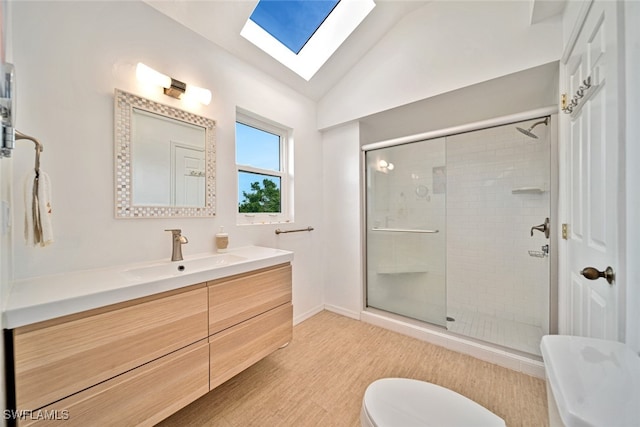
47,297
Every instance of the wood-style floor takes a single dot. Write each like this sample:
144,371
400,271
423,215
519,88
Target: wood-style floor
320,377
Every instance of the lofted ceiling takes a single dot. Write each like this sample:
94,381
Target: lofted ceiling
221,21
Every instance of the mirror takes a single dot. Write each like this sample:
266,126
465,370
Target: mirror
165,160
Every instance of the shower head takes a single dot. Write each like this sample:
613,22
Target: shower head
528,131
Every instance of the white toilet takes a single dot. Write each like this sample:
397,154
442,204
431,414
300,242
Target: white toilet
591,382
403,402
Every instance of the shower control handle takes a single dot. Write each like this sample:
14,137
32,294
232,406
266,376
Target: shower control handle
544,227
594,274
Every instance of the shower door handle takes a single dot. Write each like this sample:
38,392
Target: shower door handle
544,227
406,230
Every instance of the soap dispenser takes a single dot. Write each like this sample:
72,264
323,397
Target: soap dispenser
222,240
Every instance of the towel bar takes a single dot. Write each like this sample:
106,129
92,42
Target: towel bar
39,147
278,231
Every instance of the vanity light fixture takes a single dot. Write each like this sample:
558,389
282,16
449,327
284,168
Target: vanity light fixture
172,87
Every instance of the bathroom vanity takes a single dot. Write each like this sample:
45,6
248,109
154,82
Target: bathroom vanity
135,361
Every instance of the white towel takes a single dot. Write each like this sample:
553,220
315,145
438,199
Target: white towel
38,229
29,182
44,205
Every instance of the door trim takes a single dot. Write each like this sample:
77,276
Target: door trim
565,275
577,28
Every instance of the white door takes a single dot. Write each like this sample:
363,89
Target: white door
188,171
594,138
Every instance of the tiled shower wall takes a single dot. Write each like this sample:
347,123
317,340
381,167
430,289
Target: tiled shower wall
489,269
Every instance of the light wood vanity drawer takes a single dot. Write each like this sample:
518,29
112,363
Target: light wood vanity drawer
234,300
141,397
236,348
54,360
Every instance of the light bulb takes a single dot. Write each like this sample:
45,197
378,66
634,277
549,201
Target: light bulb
148,75
199,94
383,164
390,166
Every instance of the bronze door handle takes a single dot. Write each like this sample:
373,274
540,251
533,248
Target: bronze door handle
594,274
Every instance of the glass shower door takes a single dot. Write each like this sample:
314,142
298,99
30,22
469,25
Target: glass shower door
406,254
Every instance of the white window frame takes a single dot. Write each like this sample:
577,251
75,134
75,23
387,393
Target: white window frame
286,171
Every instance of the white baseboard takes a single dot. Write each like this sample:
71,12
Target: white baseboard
304,316
342,311
333,308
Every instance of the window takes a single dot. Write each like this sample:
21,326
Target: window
292,22
261,160
302,35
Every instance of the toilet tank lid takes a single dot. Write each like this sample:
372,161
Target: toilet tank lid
594,382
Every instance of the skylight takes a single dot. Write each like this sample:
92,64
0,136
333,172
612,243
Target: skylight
292,22
303,34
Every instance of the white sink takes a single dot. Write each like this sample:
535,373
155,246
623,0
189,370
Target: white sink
178,268
41,298
594,382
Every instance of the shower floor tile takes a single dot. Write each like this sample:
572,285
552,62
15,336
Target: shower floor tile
504,332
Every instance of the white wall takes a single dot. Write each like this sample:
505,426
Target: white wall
526,90
438,48
69,58
341,247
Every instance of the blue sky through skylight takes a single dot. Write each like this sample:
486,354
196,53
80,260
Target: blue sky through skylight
292,22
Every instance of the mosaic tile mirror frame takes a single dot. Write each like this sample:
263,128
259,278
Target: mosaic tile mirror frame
127,107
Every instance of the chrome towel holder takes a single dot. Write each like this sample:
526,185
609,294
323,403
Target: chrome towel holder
39,148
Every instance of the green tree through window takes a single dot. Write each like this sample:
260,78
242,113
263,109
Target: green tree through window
265,198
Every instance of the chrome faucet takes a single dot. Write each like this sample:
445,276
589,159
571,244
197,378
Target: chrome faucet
178,240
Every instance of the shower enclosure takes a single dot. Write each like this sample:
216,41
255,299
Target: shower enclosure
456,232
